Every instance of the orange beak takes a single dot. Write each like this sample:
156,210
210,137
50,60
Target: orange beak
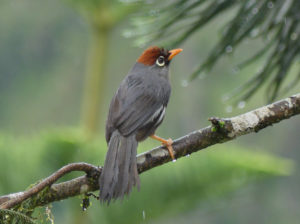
173,53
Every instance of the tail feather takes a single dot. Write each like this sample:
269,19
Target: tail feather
119,173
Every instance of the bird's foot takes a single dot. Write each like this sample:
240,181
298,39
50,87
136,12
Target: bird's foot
169,146
166,142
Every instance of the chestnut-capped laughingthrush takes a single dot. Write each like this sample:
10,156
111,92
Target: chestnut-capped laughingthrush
136,110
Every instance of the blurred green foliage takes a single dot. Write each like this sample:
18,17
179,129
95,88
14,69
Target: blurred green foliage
165,191
9,216
42,61
276,22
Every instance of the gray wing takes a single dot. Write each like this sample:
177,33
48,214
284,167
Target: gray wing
135,104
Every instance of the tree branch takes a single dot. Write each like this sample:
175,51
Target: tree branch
221,130
12,200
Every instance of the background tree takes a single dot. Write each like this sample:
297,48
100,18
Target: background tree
102,16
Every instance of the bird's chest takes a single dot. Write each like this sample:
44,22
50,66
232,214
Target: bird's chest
159,88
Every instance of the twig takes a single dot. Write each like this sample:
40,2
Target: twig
20,197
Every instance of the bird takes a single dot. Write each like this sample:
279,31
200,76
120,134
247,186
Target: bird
136,110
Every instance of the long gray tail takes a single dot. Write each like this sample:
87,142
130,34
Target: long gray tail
119,173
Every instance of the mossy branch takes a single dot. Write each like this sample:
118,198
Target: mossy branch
221,130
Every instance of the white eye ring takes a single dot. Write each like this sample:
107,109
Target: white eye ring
160,61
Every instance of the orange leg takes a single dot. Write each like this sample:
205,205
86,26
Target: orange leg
167,142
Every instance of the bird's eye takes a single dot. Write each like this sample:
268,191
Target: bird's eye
160,61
